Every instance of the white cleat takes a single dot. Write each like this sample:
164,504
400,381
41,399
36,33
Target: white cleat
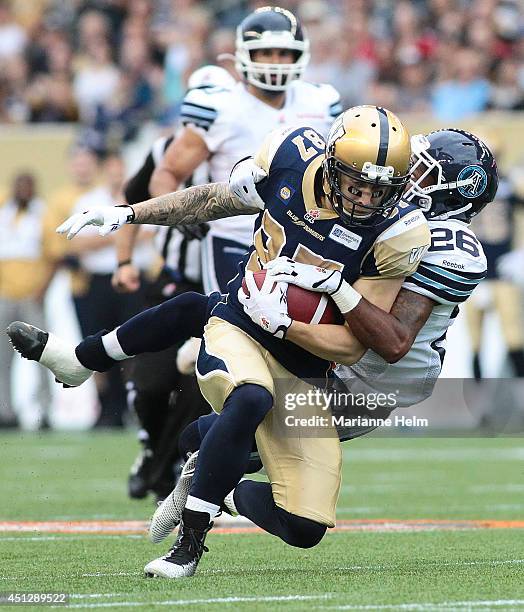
50,351
182,559
169,513
160,568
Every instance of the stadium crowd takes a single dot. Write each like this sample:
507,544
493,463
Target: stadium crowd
113,63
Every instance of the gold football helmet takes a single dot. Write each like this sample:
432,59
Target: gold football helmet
368,149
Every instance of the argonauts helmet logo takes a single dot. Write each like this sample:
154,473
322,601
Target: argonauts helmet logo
477,181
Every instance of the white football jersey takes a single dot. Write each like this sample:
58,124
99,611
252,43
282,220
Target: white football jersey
234,123
448,273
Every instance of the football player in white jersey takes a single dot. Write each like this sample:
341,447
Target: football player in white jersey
454,176
223,125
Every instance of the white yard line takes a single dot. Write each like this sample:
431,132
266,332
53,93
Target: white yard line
66,537
369,455
190,602
446,605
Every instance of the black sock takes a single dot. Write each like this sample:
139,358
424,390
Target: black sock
225,450
92,354
254,500
517,359
477,374
195,520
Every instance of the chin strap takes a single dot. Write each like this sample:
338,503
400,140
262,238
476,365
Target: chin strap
452,213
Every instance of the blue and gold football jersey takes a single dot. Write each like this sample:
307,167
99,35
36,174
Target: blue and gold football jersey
292,224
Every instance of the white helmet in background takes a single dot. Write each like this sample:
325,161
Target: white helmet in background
210,76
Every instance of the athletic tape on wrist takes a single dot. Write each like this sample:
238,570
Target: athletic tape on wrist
345,297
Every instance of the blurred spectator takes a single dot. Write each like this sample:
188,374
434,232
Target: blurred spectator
13,37
495,229
30,251
114,64
96,79
506,93
414,91
468,90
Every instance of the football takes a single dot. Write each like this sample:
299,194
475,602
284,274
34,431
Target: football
303,305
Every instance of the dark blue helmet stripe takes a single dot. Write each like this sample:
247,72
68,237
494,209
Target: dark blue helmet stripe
384,137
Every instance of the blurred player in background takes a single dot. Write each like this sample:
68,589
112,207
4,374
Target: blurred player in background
496,231
222,125
29,257
165,399
97,305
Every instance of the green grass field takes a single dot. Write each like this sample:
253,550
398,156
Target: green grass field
70,477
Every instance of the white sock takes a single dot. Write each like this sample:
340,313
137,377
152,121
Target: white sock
112,346
59,356
201,505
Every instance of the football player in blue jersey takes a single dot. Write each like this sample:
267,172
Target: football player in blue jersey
337,207
454,178
411,336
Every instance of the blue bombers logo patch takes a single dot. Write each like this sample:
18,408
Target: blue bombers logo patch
285,192
477,181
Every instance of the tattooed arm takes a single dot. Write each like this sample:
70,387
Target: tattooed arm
191,206
185,207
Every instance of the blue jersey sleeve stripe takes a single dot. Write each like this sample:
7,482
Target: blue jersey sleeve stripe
437,294
426,281
207,109
463,277
192,119
435,275
189,112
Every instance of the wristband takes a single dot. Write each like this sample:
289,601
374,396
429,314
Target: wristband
131,214
345,297
126,262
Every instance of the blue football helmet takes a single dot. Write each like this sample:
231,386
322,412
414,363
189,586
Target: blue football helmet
271,27
453,174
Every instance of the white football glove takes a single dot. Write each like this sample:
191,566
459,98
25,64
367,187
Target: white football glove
510,267
242,182
268,309
107,218
314,278
306,276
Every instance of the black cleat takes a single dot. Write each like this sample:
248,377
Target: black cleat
183,558
138,483
28,340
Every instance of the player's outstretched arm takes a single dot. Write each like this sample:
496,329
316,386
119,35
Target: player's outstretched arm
185,207
191,206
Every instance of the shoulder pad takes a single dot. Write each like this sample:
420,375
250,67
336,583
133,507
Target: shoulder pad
399,248
201,107
270,146
326,95
452,267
